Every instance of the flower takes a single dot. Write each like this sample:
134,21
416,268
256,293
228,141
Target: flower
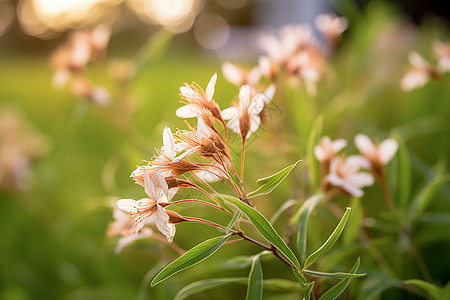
196,99
150,209
166,163
378,155
238,76
244,119
205,140
442,53
331,26
327,149
346,174
124,226
418,75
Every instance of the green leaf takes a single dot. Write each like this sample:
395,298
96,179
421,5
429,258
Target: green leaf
190,258
301,218
354,223
233,221
435,218
434,291
313,165
300,278
281,285
204,285
265,228
283,207
334,275
223,204
255,281
308,290
336,290
268,184
423,199
330,241
403,174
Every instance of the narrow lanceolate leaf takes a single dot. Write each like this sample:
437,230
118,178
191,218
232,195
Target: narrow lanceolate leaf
265,228
403,175
423,199
330,241
434,291
300,278
283,207
336,290
354,223
204,285
255,281
268,184
301,218
281,285
233,221
308,290
339,275
313,164
190,258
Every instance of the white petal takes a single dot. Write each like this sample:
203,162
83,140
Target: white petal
244,96
162,223
229,113
254,124
127,205
209,92
364,145
254,75
414,79
357,162
353,190
361,179
232,73
124,241
169,143
187,111
417,60
187,92
161,183
319,153
233,124
335,180
150,188
257,104
387,150
202,130
269,93
338,145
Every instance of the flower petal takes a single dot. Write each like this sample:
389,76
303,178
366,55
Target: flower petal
338,145
244,96
127,205
209,92
169,143
229,113
387,150
187,111
364,145
232,73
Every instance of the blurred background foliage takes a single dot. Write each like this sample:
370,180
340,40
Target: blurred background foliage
52,232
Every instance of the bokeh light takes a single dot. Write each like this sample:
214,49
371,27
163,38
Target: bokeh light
211,31
6,16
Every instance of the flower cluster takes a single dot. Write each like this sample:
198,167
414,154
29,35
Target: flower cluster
295,54
346,173
70,59
188,159
422,71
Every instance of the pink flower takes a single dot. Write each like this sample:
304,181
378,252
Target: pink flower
378,155
150,209
418,75
327,149
238,76
245,119
346,174
331,26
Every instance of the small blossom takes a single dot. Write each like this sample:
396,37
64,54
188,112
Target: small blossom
442,53
327,149
268,67
85,89
150,209
331,26
244,119
346,174
166,163
418,75
378,155
196,99
238,76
